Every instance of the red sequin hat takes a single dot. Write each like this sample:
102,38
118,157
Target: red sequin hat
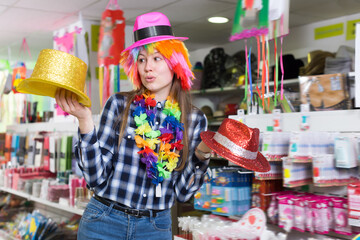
237,143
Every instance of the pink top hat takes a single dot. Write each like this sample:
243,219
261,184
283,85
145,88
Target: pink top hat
152,27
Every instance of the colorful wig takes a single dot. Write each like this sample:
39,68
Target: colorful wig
175,53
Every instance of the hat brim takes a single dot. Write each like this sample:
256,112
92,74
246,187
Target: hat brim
260,164
44,87
152,40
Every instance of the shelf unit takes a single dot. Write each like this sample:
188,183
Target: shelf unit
236,88
43,201
335,121
69,125
286,82
5,235
66,124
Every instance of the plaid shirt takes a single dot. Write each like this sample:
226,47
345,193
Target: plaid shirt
123,178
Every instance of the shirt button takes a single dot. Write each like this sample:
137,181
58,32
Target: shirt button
129,136
157,123
197,167
144,195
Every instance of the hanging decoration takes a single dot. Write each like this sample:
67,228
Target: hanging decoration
72,39
111,43
264,20
19,70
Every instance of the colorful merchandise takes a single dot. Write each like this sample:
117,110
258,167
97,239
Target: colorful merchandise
345,154
266,20
353,191
252,226
341,216
111,44
275,172
167,139
112,35
19,74
275,145
230,192
202,198
300,146
19,70
296,174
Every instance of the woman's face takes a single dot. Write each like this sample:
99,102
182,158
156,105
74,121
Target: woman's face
155,74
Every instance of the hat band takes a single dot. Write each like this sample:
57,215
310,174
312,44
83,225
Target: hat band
234,148
152,31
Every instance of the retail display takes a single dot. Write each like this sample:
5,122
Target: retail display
263,20
302,169
325,92
227,192
252,226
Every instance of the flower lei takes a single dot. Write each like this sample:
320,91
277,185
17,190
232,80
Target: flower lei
158,165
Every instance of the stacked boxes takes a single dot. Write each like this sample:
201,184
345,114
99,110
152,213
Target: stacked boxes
227,193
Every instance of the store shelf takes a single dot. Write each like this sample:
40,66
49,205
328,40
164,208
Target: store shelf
214,123
294,234
43,201
216,90
60,124
67,126
339,120
6,236
230,89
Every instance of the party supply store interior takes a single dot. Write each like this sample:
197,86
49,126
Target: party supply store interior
289,68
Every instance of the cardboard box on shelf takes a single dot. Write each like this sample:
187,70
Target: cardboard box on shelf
325,92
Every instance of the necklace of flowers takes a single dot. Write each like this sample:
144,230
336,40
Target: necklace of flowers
166,140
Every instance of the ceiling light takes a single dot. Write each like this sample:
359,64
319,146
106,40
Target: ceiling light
218,20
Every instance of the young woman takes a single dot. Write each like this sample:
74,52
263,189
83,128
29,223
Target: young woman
147,152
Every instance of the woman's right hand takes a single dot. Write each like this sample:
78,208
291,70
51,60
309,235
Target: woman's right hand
68,102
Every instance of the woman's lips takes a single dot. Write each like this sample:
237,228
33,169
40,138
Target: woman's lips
150,79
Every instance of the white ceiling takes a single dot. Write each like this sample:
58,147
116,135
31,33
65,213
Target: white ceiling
37,19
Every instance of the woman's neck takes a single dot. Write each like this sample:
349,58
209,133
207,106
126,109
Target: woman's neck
159,96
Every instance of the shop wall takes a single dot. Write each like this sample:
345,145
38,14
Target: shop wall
299,42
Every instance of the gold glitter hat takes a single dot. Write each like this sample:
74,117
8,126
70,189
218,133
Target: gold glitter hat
56,69
237,143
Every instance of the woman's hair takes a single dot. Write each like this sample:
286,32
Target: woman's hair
177,58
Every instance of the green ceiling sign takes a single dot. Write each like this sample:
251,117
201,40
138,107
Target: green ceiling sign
329,31
350,29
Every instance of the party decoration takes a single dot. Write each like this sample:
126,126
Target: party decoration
19,70
264,20
72,39
111,43
167,140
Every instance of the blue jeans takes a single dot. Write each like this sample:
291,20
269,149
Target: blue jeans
102,222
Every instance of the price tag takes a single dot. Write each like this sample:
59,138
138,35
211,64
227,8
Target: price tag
158,190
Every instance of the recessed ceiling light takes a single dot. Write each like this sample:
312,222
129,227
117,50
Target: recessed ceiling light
218,20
